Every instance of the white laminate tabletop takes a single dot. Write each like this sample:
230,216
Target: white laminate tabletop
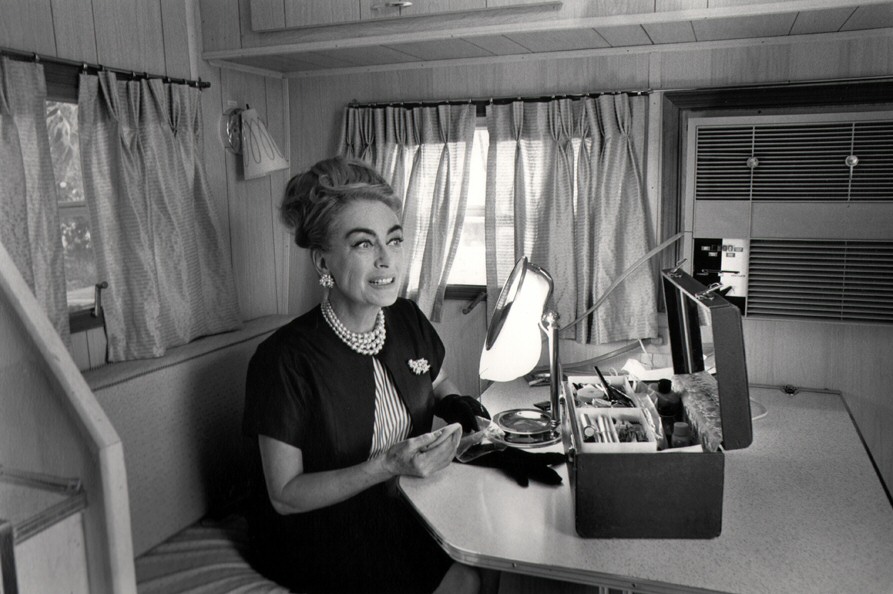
803,511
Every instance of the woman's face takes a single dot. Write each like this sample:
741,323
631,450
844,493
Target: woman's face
365,255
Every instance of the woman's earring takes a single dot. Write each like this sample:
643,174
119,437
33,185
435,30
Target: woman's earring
326,281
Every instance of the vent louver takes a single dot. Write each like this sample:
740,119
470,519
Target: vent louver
817,161
821,280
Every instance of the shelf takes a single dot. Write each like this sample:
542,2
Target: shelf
546,29
32,502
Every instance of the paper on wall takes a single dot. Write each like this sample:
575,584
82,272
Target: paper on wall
638,371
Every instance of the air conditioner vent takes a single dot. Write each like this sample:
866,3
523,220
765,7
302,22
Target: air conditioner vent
821,280
812,161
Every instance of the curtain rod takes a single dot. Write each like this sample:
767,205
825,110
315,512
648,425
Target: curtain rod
74,65
743,87
493,100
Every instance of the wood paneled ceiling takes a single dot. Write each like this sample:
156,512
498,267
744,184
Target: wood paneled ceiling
419,42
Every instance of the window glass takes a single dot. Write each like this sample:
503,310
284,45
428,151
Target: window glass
469,267
74,220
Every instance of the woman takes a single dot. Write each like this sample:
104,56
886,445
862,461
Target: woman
340,401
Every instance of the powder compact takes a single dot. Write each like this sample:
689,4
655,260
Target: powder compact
525,427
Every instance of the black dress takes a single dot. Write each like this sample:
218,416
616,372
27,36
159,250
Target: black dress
306,388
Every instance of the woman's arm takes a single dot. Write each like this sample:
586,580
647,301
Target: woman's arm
443,385
451,406
292,491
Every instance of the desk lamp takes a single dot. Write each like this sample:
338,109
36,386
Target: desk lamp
514,345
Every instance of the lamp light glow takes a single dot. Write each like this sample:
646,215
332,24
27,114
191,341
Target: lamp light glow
516,324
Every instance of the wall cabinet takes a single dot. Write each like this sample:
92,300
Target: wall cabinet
303,13
271,15
277,15
374,9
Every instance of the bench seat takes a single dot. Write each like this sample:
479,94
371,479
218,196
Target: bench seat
208,557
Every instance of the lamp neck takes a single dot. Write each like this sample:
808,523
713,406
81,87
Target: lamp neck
550,325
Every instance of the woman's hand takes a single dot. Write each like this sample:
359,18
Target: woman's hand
423,455
292,491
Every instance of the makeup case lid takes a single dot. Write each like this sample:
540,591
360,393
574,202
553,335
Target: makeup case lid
696,313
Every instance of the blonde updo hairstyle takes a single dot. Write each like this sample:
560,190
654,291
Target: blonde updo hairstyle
314,199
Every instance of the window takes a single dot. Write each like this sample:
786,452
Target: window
469,268
74,219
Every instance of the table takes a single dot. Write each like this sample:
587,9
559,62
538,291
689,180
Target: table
803,511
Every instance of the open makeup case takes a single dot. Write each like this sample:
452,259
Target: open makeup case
629,484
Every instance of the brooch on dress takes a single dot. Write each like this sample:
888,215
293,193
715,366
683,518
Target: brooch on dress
419,366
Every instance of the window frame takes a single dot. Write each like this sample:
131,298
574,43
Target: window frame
62,86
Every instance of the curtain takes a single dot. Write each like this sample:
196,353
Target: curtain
29,220
564,188
154,229
425,154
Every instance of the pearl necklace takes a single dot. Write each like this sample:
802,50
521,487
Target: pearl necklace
365,343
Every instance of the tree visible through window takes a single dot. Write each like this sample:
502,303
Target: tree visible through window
74,219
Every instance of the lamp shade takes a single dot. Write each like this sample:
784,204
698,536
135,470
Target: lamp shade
260,155
514,343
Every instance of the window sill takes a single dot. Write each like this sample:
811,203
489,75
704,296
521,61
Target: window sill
462,292
83,320
107,376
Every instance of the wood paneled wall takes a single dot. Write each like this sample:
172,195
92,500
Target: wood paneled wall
274,278
164,37
778,353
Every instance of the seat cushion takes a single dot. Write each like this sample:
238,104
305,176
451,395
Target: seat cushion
208,557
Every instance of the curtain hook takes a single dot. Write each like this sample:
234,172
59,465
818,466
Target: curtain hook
36,58
84,68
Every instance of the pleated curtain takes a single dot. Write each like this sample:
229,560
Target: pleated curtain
425,154
157,240
29,220
564,187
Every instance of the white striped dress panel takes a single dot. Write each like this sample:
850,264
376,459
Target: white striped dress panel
392,421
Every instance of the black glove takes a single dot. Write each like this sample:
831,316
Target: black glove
524,466
461,409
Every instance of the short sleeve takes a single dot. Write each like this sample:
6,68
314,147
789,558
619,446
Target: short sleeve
276,396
